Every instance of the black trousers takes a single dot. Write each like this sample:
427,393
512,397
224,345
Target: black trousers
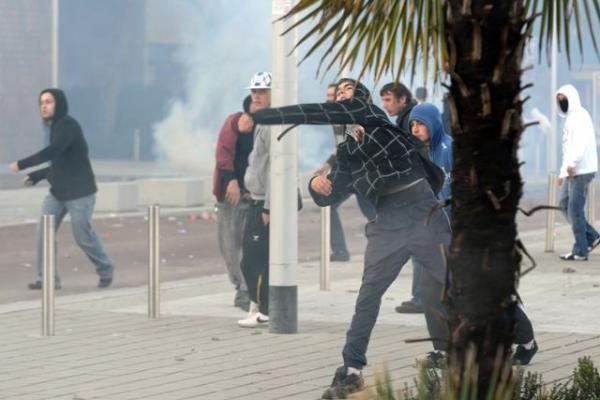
255,257
399,232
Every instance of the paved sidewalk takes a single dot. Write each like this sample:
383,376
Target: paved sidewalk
105,347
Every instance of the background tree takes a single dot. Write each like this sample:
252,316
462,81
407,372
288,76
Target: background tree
478,46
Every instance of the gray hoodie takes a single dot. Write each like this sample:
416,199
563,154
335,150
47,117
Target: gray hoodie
258,171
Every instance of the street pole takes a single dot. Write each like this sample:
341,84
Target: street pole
283,245
551,143
54,44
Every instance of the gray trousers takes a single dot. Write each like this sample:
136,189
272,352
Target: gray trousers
231,225
399,232
81,211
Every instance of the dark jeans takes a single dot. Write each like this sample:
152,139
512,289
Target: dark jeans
399,232
255,257
81,211
338,240
573,194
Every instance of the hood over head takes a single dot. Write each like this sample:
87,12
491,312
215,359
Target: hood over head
429,115
247,103
572,95
360,90
62,107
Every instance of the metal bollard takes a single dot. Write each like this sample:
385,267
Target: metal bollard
48,275
137,143
153,261
324,275
591,203
552,183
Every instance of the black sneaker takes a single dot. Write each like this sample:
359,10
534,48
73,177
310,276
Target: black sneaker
37,285
343,384
435,359
594,244
573,257
104,282
523,355
342,257
409,307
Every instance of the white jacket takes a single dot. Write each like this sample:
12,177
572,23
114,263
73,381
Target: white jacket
579,140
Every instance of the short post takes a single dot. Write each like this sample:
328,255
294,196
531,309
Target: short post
48,269
552,181
137,142
591,202
153,261
324,275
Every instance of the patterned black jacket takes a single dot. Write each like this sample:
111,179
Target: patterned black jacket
384,157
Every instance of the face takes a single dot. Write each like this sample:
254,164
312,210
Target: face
391,104
47,106
261,98
420,131
330,94
344,91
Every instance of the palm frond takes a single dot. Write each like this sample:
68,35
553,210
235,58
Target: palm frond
569,16
370,32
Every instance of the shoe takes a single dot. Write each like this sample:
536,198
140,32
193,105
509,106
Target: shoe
410,307
255,320
241,300
343,384
37,285
523,355
104,282
594,244
573,257
342,257
435,359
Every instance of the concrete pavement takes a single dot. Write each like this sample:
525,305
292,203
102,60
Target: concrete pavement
105,348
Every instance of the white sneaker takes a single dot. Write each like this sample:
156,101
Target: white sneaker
254,321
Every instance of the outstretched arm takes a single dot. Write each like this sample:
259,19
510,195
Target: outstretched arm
352,111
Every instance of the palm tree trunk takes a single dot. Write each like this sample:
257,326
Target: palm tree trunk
486,127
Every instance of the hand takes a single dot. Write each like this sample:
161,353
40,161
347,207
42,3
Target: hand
321,185
560,181
359,132
266,218
323,170
232,194
571,171
27,181
14,167
245,123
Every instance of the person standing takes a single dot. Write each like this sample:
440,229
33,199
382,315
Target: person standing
389,169
579,165
233,148
72,184
255,247
398,102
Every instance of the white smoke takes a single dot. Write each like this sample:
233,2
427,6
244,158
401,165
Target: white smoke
228,41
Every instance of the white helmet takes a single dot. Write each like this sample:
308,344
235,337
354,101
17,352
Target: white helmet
260,80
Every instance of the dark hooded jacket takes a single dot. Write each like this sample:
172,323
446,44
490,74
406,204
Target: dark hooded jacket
70,172
383,158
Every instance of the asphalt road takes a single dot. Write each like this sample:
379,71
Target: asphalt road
189,249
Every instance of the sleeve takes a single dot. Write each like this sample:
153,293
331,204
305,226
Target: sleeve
351,111
39,174
225,152
267,147
341,179
64,134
